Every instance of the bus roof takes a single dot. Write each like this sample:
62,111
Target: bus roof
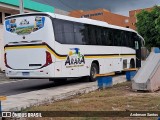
90,21
80,20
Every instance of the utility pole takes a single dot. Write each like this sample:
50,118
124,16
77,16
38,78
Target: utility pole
21,7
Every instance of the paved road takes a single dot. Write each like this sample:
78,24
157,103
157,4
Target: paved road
35,92
23,86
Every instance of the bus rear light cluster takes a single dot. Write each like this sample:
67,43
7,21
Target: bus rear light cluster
5,60
48,59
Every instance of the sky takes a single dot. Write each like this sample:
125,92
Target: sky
116,6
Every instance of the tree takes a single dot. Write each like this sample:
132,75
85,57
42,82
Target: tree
148,26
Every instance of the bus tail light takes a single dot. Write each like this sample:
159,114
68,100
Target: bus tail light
48,59
5,60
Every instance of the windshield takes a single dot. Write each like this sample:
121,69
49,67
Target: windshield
24,25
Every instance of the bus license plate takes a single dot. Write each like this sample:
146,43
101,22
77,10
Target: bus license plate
25,73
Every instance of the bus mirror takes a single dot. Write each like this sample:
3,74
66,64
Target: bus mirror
144,53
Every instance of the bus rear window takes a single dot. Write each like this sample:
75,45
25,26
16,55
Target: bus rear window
24,25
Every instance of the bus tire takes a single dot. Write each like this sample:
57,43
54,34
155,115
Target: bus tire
93,71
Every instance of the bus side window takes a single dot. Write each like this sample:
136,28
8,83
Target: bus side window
79,33
124,38
104,37
92,35
110,37
137,42
98,35
117,37
86,37
68,32
58,31
136,45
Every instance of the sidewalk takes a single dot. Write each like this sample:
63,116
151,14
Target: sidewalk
21,101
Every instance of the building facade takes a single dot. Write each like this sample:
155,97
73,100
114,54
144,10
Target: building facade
102,15
10,7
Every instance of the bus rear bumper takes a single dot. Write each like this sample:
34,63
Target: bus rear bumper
28,74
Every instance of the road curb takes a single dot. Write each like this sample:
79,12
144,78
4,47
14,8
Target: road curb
46,100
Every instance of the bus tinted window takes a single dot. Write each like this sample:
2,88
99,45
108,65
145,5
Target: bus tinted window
104,35
117,37
110,37
79,31
86,35
98,32
64,32
131,41
92,35
58,30
67,32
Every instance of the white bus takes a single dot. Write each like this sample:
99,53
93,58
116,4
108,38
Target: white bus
48,45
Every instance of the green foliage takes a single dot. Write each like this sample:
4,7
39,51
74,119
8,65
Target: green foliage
148,26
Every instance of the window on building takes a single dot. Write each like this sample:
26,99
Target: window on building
133,23
86,16
7,14
126,21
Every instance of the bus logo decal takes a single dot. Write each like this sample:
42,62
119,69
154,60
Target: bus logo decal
24,22
23,26
74,58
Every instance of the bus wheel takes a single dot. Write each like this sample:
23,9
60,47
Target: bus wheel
93,71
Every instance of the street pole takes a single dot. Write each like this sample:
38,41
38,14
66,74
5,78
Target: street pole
21,7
